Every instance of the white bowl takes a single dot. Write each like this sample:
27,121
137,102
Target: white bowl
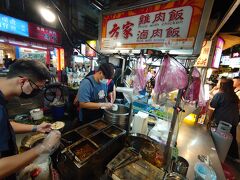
36,114
114,107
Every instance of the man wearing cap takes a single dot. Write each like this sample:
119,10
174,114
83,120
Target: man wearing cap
92,94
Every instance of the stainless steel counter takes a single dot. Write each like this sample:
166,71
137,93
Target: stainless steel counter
193,141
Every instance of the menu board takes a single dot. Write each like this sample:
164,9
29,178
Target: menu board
14,26
171,26
202,60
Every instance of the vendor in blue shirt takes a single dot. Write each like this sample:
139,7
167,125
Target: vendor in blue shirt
25,79
92,94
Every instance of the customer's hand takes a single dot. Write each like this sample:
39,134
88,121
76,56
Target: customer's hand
106,105
44,127
51,142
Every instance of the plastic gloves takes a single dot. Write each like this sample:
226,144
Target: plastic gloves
50,143
106,105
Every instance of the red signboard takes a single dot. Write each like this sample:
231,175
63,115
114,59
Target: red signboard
172,25
44,34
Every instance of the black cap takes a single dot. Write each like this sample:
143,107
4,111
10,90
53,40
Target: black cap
107,69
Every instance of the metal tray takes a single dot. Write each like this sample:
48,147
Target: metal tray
113,131
70,138
101,139
83,151
100,124
87,131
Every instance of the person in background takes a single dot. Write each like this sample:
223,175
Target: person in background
226,108
53,70
7,61
216,89
236,85
24,79
64,77
92,94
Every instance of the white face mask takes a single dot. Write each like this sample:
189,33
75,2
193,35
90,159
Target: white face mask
104,81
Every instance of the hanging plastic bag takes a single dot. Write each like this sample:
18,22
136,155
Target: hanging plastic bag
192,92
172,76
140,79
202,102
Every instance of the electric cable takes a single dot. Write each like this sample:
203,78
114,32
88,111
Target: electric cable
75,28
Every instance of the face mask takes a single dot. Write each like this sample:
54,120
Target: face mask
104,81
34,93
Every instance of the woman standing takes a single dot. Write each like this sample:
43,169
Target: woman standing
226,108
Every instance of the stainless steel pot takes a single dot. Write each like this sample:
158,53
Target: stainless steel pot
119,117
174,176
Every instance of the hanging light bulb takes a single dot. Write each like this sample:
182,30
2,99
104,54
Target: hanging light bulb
47,14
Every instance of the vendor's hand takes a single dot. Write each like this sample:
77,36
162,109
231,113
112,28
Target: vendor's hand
106,105
76,102
51,142
44,127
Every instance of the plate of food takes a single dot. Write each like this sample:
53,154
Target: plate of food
57,125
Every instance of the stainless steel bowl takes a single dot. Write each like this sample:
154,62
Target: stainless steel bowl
174,176
119,118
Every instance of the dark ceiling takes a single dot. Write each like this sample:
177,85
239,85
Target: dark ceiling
233,24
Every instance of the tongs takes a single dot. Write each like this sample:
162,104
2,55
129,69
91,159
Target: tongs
127,161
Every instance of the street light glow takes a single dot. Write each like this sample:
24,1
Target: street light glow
47,14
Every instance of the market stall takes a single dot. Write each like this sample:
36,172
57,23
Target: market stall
128,31
158,44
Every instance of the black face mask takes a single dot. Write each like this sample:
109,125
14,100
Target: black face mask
34,93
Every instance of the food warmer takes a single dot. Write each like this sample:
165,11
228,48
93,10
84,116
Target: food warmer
85,151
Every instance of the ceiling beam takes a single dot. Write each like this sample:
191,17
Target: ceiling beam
226,17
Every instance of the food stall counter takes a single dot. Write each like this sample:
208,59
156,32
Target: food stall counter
196,140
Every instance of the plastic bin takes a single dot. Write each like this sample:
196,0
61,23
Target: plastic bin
222,139
57,111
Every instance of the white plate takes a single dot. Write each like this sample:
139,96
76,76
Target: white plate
57,125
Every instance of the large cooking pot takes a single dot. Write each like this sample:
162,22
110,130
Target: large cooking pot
119,117
150,150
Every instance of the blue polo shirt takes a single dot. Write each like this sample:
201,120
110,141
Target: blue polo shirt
91,91
6,135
